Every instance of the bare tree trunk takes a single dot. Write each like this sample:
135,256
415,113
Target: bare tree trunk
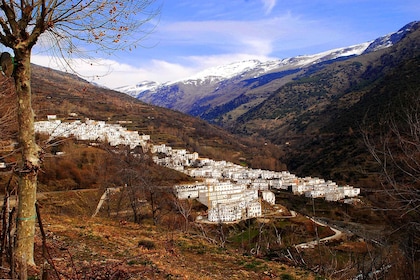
184,207
28,168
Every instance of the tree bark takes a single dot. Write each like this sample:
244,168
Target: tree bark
28,168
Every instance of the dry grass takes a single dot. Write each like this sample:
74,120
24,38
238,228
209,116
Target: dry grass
82,247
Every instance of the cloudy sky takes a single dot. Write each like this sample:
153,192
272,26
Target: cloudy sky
192,35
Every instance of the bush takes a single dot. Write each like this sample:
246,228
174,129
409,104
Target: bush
286,276
148,244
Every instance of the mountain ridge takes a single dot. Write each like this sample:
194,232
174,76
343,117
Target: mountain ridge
245,68
211,93
322,113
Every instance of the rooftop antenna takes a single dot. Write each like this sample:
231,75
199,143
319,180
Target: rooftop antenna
6,64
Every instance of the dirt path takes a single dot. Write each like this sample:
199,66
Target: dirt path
311,244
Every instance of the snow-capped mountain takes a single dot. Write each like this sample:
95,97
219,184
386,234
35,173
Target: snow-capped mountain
221,86
390,39
257,68
140,87
245,68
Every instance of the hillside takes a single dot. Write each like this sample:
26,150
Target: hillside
318,117
82,247
153,244
67,96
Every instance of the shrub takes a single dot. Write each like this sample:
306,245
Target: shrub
148,244
286,276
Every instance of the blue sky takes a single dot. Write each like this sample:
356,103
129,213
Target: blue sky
191,35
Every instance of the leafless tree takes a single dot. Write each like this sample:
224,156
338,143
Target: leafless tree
205,233
184,207
158,198
396,149
134,184
67,25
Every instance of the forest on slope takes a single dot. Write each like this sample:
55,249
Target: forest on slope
318,118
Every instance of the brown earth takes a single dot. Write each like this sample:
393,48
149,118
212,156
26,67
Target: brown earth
78,246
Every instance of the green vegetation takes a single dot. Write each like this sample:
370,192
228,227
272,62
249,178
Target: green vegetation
286,277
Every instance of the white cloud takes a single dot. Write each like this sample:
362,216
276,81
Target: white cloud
229,41
196,45
113,74
269,5
232,36
265,37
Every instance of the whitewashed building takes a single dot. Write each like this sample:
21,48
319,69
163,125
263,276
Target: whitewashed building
269,197
188,191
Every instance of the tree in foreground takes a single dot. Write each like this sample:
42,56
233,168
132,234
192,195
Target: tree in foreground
65,26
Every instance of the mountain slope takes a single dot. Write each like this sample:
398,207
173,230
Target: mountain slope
317,118
220,85
221,94
66,95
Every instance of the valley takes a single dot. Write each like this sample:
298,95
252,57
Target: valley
275,230
311,107
351,120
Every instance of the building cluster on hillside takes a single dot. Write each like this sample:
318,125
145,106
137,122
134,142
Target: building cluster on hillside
231,192
235,190
226,201
91,130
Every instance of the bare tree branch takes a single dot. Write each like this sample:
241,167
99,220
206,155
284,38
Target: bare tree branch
395,146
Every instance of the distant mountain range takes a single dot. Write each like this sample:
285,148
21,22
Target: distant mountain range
222,94
311,107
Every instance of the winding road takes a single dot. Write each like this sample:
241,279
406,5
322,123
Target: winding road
311,244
